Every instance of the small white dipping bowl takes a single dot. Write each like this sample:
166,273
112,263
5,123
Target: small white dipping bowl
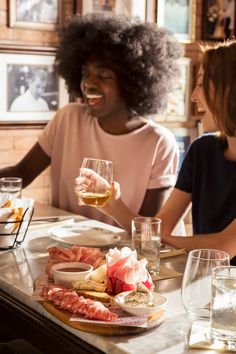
159,303
67,272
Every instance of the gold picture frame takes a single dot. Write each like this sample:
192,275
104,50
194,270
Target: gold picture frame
178,17
178,102
184,135
39,15
143,10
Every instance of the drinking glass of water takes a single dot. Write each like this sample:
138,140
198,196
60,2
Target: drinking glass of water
223,307
93,187
146,241
11,186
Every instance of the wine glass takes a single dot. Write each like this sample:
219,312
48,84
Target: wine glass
197,279
93,187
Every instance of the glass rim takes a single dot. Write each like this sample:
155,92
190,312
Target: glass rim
11,179
227,256
222,267
95,159
147,219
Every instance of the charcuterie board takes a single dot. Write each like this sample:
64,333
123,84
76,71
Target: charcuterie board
103,329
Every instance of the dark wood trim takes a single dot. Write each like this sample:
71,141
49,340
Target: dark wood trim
26,49
78,7
44,334
21,126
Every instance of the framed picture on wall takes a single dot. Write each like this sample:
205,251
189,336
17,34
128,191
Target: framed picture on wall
178,16
184,137
31,91
37,14
141,10
219,20
178,102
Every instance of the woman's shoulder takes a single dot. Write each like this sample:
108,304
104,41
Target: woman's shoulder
207,139
160,130
72,113
72,109
207,145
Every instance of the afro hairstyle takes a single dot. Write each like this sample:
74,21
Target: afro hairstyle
143,57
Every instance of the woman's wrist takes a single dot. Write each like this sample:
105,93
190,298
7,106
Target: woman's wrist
117,210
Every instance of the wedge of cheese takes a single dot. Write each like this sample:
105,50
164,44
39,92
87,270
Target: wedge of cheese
99,275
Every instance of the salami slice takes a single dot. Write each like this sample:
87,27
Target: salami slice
72,302
75,253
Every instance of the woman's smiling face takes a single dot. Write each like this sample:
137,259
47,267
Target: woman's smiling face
202,107
100,89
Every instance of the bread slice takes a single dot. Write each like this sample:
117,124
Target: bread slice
95,295
89,285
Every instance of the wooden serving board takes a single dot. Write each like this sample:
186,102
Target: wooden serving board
103,329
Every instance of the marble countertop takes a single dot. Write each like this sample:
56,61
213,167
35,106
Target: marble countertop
20,267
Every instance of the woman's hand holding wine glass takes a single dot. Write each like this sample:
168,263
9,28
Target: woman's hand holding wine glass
95,187
94,184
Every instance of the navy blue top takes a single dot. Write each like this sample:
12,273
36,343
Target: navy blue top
212,181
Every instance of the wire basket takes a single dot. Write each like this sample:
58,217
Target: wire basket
12,233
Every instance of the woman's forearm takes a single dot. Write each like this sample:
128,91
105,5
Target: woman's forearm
120,213
219,241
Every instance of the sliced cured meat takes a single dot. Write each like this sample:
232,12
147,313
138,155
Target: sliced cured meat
72,302
100,311
88,255
51,291
75,253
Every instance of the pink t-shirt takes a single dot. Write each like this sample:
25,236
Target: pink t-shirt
146,158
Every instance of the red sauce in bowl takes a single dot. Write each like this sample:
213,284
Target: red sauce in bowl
72,269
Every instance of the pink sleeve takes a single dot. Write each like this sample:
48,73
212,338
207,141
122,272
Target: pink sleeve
165,162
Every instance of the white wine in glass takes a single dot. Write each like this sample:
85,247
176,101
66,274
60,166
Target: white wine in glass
96,190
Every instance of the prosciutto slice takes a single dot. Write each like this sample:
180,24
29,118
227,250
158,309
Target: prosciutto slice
72,302
75,253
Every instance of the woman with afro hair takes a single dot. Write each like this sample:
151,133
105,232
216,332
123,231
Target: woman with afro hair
121,71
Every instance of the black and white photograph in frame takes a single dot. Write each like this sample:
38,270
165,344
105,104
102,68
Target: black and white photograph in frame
31,91
32,88
219,20
35,14
131,8
178,16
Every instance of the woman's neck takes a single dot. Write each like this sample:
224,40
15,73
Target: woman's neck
121,126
